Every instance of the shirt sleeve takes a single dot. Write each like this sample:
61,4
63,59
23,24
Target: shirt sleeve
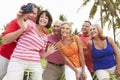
11,27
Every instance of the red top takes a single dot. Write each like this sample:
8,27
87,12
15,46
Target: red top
85,38
7,50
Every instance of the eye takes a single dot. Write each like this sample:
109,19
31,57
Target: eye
41,16
90,29
67,28
46,17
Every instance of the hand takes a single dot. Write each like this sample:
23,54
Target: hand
52,48
78,75
21,21
84,75
117,72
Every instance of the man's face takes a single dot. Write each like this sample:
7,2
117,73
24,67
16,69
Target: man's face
85,28
56,28
32,16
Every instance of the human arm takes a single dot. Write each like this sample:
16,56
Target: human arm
82,60
13,30
117,55
89,47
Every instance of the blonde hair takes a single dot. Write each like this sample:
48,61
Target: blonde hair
69,24
100,31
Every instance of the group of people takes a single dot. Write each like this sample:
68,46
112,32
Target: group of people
25,41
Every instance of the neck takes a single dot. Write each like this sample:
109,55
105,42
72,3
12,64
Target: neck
58,36
66,38
86,34
39,28
96,38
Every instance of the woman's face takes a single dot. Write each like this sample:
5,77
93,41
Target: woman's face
93,31
65,30
43,21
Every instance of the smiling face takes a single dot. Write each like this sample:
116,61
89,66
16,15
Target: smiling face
93,31
86,27
43,20
56,28
65,29
96,31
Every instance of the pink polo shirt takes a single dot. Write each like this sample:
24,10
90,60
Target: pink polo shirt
55,57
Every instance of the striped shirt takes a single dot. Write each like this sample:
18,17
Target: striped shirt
30,44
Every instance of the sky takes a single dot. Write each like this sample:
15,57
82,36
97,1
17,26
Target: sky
68,8
56,7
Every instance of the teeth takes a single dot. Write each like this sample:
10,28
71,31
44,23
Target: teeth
64,33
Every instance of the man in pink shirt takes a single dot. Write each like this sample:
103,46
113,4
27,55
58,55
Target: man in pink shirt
9,39
55,62
84,36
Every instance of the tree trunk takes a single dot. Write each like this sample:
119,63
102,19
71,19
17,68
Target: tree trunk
101,14
113,29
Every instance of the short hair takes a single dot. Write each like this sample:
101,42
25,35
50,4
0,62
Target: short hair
49,18
88,21
35,6
58,21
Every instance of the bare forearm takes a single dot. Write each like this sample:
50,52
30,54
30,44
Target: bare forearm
45,54
118,59
11,37
82,63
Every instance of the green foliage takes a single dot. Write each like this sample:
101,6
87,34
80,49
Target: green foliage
109,13
49,30
93,11
75,32
62,17
43,62
85,2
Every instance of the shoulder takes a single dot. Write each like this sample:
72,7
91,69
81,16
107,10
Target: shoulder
12,23
29,22
79,35
50,35
110,40
59,44
89,44
75,36
11,27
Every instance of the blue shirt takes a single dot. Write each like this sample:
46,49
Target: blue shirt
104,58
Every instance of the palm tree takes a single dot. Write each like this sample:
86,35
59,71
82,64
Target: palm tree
109,11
